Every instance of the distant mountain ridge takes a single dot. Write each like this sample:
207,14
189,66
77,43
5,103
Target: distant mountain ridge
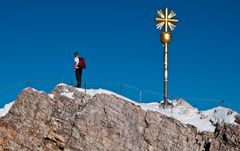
70,119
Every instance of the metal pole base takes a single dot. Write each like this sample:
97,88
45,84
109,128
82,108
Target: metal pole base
165,105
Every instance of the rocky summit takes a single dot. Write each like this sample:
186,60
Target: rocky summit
69,119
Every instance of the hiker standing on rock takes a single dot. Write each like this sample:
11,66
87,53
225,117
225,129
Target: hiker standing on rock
79,64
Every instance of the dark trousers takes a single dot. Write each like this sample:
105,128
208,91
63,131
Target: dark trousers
78,73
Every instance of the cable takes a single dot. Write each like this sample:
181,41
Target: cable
155,93
102,83
129,86
42,81
13,86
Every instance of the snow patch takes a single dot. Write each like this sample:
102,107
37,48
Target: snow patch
68,94
93,92
204,120
51,95
29,88
6,109
62,84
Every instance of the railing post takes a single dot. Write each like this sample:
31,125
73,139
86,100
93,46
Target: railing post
140,95
222,103
62,79
121,86
27,83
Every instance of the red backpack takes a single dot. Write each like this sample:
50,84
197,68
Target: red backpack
82,63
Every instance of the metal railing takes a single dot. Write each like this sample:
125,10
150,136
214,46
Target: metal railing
135,93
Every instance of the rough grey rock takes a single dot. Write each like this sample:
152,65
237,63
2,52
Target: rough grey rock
37,122
237,119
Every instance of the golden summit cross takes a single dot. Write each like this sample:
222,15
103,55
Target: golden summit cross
166,20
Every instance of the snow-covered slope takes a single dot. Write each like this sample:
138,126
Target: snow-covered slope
182,111
203,120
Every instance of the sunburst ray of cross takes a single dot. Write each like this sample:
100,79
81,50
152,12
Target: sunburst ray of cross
166,20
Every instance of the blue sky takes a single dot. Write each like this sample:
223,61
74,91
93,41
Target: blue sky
119,40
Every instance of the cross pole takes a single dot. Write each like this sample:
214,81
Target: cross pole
166,20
